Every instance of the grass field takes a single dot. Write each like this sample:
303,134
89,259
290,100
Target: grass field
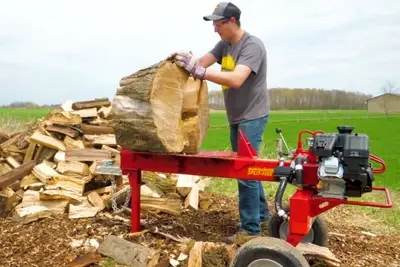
384,143
384,140
22,114
382,130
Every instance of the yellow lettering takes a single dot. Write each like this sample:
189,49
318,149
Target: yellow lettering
254,171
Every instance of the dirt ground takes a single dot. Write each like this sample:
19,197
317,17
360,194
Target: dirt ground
53,241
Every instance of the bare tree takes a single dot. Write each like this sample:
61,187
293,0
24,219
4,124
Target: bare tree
388,89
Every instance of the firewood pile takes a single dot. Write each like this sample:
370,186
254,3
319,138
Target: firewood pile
54,168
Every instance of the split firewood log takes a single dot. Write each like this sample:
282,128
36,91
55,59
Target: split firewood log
195,114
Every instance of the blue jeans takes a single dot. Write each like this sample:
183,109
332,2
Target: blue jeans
253,206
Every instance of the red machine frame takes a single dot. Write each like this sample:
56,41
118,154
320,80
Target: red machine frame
304,203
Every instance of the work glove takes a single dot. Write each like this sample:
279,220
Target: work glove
187,61
172,56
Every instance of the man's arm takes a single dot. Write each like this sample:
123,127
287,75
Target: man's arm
249,61
233,79
213,56
207,60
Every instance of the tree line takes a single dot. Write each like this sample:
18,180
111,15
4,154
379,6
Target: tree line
29,105
304,98
280,99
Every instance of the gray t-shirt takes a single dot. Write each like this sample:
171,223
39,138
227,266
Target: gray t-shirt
251,100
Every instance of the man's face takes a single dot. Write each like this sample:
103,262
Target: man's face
223,27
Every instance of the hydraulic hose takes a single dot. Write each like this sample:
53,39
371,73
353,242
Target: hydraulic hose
298,169
278,198
298,166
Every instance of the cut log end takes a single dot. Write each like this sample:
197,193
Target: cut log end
195,114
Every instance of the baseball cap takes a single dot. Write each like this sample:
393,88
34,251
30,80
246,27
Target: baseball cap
224,10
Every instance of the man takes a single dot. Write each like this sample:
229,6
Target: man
243,79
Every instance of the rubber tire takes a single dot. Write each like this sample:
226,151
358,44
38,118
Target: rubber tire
268,248
319,228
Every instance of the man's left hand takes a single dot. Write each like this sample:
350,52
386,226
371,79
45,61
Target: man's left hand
189,63
173,55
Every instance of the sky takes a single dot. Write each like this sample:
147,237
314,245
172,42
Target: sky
53,51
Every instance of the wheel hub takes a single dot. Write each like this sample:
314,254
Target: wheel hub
284,232
264,263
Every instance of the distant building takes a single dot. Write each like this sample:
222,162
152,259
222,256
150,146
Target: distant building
388,103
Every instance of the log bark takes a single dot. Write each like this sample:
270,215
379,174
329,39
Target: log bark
165,185
96,103
16,174
96,129
4,137
125,252
147,110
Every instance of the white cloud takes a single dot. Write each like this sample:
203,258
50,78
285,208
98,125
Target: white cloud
52,51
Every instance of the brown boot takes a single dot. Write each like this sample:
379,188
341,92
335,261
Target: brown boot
264,228
239,238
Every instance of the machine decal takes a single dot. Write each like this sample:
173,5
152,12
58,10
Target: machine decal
260,171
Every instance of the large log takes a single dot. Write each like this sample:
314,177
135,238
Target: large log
147,111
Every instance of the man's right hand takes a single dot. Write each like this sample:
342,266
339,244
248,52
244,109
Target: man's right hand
186,60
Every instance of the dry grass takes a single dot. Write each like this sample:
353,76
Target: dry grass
381,220
9,124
